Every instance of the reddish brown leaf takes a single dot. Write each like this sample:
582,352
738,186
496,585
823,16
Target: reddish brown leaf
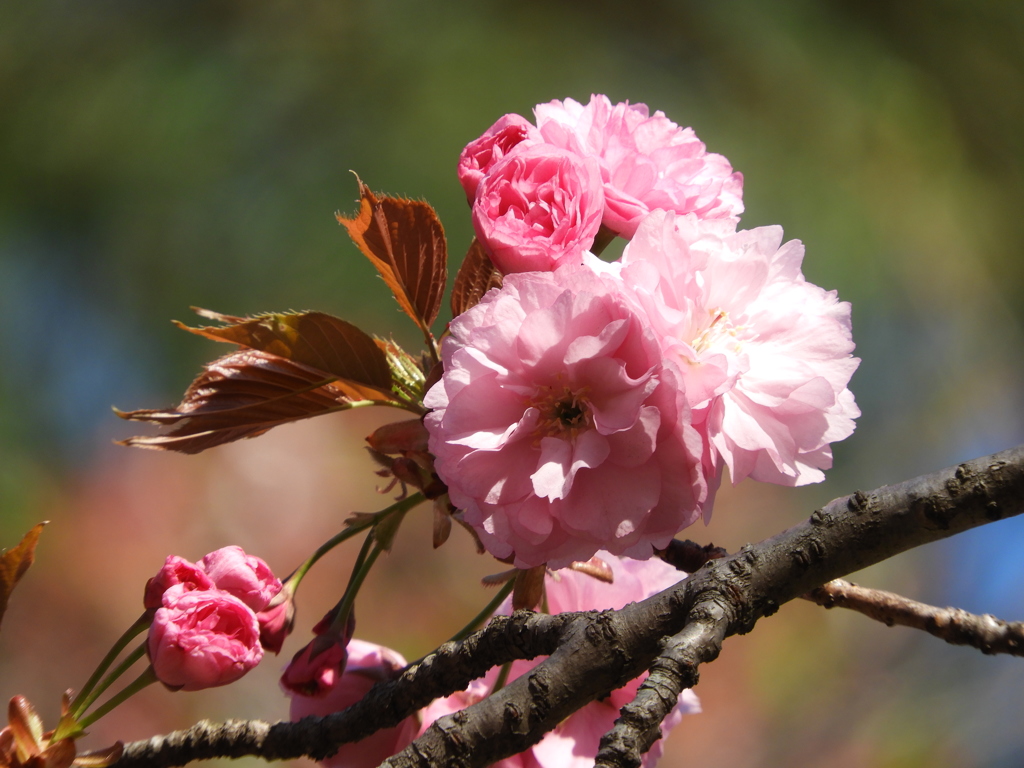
405,242
400,437
314,339
14,562
243,395
220,317
26,726
8,749
100,758
442,522
60,754
476,276
529,588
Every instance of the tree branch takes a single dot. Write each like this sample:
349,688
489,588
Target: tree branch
987,633
638,726
592,654
955,626
450,668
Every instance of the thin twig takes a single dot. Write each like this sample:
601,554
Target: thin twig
987,633
954,625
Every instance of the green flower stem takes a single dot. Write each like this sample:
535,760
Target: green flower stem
359,574
360,559
485,614
140,625
401,506
148,677
357,567
121,668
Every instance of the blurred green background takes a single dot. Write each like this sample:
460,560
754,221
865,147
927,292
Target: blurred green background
155,156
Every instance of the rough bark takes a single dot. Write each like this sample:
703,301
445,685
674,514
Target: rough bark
594,653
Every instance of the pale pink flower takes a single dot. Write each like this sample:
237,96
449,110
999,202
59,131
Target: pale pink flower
647,162
202,638
538,207
558,428
368,664
497,141
247,577
765,355
176,570
574,743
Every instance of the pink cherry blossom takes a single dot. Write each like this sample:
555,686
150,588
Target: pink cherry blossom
202,638
247,577
647,162
176,570
538,207
497,141
557,426
766,356
368,663
574,743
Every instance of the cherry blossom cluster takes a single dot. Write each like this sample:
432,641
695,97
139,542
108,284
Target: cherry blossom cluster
589,405
576,417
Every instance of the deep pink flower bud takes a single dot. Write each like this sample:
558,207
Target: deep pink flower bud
479,155
176,570
323,626
247,577
316,669
368,664
538,208
203,638
276,623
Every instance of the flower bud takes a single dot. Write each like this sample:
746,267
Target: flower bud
538,208
316,669
202,639
276,623
247,577
176,570
367,664
497,141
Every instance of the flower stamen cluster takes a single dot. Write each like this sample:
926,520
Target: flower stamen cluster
564,414
719,327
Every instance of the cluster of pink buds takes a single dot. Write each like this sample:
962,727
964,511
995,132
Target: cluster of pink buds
206,618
